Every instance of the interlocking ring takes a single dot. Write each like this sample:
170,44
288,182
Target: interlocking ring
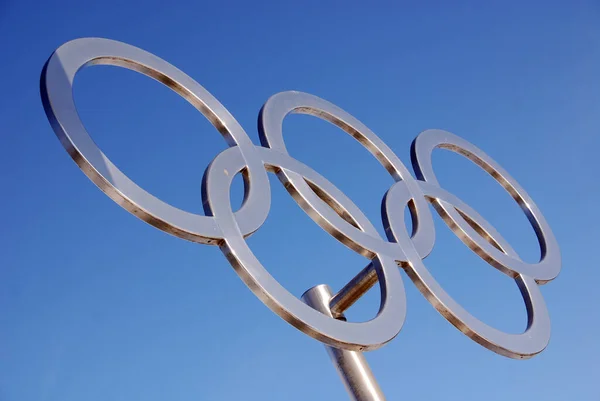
319,198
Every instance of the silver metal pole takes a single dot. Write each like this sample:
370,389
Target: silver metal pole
352,291
351,366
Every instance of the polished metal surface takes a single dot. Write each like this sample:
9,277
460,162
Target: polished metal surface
352,367
321,200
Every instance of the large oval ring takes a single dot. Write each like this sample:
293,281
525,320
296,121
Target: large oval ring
525,345
57,95
325,213
362,336
550,262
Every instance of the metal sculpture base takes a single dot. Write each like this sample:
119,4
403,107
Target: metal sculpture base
351,365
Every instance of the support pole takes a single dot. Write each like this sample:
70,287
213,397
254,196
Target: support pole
351,366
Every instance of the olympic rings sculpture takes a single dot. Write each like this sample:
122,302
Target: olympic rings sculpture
320,199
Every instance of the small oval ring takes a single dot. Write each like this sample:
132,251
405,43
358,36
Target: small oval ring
57,95
520,346
270,126
363,336
550,262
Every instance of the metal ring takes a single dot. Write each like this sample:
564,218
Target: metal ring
549,264
271,135
354,336
525,345
57,96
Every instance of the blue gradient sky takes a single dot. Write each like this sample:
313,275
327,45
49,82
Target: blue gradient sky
96,305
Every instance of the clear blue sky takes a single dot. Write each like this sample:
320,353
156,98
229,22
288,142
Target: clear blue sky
97,305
